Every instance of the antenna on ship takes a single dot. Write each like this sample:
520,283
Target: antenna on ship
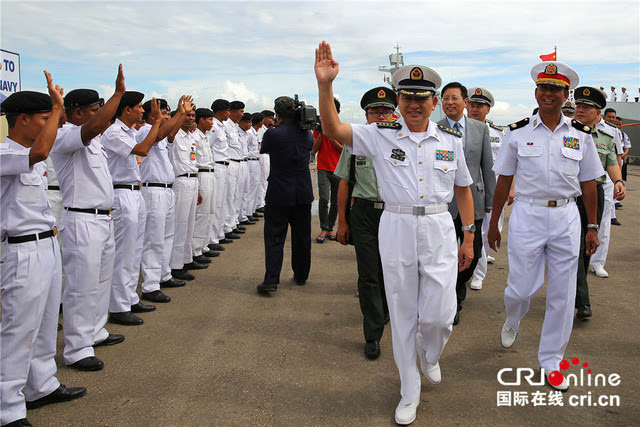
396,61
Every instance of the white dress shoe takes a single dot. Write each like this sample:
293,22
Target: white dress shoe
406,413
432,372
563,386
507,335
600,272
490,259
476,284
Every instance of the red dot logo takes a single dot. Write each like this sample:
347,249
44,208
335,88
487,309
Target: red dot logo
556,378
585,364
564,365
575,360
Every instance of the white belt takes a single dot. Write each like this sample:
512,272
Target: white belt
417,210
547,203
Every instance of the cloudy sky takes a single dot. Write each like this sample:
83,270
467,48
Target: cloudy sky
256,51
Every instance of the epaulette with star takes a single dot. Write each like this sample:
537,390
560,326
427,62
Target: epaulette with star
520,124
389,125
496,127
449,130
580,126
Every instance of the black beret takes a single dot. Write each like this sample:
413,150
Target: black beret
590,96
237,105
256,118
28,102
162,104
245,116
220,104
203,112
130,99
379,97
267,113
81,98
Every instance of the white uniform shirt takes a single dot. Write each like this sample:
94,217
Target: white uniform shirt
261,132
24,207
613,131
119,140
183,153
204,154
624,97
496,137
50,173
233,139
413,170
613,96
218,140
626,142
548,165
252,143
156,167
83,170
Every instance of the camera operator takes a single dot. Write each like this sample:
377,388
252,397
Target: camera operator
289,195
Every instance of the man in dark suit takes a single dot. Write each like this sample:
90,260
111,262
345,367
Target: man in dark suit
289,196
477,152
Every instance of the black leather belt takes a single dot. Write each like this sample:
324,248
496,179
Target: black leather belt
235,160
126,186
157,184
254,158
246,159
32,237
223,163
368,203
205,170
188,175
54,187
90,211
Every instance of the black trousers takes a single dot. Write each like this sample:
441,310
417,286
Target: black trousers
465,275
364,223
277,220
582,291
625,162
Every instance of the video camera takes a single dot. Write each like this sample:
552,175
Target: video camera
306,115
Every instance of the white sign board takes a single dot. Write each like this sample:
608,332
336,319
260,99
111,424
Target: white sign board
9,73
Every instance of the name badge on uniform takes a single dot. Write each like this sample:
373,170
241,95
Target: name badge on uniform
444,155
361,160
398,154
495,140
571,142
139,159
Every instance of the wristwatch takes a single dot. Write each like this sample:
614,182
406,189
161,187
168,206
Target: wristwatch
594,226
470,227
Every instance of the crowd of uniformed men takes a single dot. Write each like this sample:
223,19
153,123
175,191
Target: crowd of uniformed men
134,187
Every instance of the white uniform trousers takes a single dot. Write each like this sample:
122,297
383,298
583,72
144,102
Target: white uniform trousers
419,262
599,258
186,190
30,282
158,236
129,217
204,211
255,179
264,168
220,193
481,268
536,232
55,200
245,211
231,202
88,255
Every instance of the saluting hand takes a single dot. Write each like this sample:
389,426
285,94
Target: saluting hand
326,68
120,88
54,92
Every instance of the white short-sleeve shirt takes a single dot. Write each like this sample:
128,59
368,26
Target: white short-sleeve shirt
413,170
156,166
613,131
183,153
218,140
496,136
204,154
233,139
548,165
253,144
119,140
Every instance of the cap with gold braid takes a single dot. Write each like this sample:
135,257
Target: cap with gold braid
555,74
416,80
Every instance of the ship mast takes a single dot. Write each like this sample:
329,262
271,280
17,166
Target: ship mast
396,61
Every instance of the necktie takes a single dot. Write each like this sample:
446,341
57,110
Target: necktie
458,127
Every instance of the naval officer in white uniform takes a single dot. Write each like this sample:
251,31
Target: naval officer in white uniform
419,165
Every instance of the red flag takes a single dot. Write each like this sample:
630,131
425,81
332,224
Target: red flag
549,57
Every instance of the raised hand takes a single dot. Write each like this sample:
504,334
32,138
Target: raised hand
188,104
155,110
54,92
181,105
326,68
120,88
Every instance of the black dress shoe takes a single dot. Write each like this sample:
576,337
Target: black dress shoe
584,311
142,308
267,287
240,227
215,247
211,254
299,282
125,318
257,215
372,349
456,319
19,423
112,339
260,210
180,274
614,221
238,231
202,259
155,296
247,222
230,236
88,364
194,266
618,205
173,283
61,394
